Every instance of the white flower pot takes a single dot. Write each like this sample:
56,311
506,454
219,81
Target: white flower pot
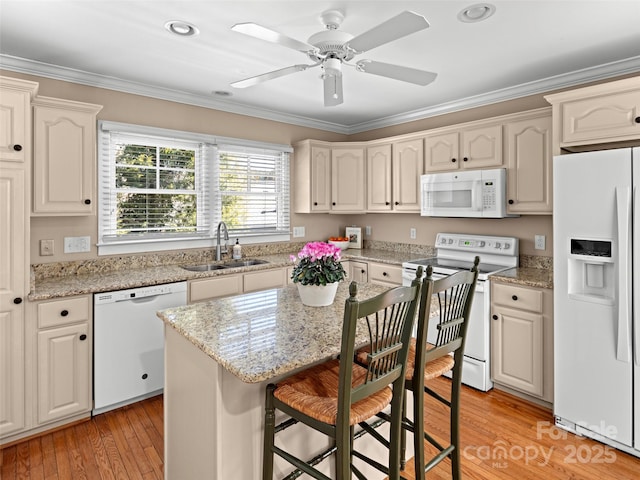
317,295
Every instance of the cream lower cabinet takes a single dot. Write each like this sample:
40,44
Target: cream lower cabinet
64,358
385,274
64,167
235,284
528,143
522,339
358,271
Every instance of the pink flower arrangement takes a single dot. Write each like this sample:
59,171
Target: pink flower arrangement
319,264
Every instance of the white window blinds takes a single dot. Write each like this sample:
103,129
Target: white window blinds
253,190
157,184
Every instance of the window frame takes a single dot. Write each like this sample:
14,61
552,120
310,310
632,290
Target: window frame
211,145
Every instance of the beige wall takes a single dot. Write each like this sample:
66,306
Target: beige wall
142,110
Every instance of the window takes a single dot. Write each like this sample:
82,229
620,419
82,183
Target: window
159,186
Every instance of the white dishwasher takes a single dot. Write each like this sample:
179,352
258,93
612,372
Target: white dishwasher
128,347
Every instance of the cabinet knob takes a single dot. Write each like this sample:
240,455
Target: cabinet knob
465,159
18,148
397,203
511,202
387,203
384,274
144,376
315,204
637,119
83,337
495,317
64,313
87,202
453,160
363,271
333,203
17,300
514,297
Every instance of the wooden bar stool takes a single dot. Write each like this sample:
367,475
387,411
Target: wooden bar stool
334,396
450,298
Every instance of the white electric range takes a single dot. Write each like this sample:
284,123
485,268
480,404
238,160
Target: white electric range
455,252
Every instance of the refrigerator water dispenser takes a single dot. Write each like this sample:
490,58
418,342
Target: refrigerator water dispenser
591,271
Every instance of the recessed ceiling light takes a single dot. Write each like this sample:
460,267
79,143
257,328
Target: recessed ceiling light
181,28
476,13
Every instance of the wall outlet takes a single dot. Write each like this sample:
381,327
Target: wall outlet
46,248
540,242
412,233
298,232
77,244
367,230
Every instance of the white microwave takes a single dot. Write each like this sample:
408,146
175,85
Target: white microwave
471,193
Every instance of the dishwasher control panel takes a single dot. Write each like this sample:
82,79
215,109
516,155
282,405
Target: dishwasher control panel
140,292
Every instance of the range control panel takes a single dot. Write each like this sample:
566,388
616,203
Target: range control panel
477,243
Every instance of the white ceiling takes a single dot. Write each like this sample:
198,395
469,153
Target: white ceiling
525,47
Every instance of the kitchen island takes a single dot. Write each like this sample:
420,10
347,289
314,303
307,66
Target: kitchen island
219,357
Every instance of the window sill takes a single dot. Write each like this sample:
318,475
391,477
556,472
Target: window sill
145,246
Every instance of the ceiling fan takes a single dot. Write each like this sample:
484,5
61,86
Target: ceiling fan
331,49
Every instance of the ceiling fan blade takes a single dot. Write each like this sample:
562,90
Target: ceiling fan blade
332,90
397,27
268,35
251,81
397,72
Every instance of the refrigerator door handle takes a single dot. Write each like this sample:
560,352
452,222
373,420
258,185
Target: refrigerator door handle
636,300
623,200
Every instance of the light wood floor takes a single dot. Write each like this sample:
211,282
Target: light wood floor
502,436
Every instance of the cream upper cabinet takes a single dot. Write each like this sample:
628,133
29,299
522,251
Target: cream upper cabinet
379,192
347,180
408,165
15,119
64,174
528,146
441,152
605,113
312,177
522,339
469,147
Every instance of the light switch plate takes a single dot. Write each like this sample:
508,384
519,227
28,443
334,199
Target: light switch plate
46,248
77,244
540,242
412,233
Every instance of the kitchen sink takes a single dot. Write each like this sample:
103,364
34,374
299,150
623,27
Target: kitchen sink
221,266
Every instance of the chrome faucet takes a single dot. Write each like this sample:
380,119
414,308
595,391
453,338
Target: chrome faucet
220,251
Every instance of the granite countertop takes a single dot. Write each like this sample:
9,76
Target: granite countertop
122,279
527,276
261,335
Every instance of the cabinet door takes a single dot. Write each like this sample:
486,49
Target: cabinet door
320,179
347,180
604,118
379,178
64,373
529,188
15,128
64,158
12,388
263,280
517,349
482,147
358,272
441,152
408,165
384,274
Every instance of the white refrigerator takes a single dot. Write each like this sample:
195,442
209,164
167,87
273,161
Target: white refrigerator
596,248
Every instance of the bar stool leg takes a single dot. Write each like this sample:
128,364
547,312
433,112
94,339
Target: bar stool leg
269,434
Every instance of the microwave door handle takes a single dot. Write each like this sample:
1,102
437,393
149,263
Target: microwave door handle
476,195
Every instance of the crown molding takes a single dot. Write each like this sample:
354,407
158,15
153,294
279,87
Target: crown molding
546,85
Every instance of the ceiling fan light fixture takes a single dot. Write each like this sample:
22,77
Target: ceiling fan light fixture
181,28
332,67
476,13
